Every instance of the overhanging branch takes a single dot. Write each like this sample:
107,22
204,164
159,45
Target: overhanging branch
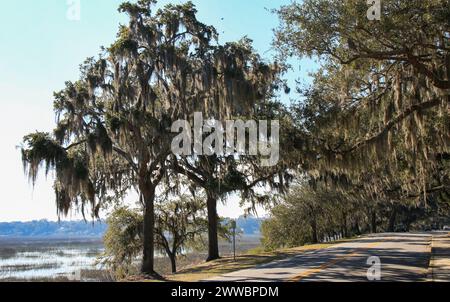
393,122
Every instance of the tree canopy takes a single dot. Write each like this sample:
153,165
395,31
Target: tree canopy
377,113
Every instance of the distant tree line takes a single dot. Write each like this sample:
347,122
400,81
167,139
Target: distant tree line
44,228
309,216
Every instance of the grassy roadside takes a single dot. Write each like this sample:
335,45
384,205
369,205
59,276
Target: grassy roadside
248,260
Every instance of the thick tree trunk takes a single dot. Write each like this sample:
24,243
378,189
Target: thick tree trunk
213,241
149,227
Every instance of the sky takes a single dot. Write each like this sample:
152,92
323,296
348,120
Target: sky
41,47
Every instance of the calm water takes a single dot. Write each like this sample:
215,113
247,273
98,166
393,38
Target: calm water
34,259
71,260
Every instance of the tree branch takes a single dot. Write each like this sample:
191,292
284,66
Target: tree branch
127,157
393,122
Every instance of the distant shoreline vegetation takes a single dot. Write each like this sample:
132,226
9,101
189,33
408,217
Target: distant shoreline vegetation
53,229
87,229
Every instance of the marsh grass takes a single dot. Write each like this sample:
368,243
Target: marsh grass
49,260
7,253
28,267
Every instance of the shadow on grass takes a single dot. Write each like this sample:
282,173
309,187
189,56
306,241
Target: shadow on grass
228,265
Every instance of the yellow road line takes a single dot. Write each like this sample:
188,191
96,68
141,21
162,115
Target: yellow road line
310,272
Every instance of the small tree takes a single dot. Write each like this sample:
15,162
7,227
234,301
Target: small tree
179,225
123,242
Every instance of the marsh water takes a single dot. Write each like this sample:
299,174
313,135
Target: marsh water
47,259
44,259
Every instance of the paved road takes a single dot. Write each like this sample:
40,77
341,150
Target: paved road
404,257
440,261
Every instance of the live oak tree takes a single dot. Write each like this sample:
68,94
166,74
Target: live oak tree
113,124
377,114
221,175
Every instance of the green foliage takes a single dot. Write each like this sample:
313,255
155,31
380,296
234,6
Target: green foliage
308,215
312,216
123,242
180,224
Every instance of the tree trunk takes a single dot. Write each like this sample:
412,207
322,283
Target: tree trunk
315,238
344,225
357,228
392,219
374,222
173,262
408,226
149,227
213,221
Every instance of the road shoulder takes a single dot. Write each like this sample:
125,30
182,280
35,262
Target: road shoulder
439,270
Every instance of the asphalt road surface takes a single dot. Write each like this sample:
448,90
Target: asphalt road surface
402,258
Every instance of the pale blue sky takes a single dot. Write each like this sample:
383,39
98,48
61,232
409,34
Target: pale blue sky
40,49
